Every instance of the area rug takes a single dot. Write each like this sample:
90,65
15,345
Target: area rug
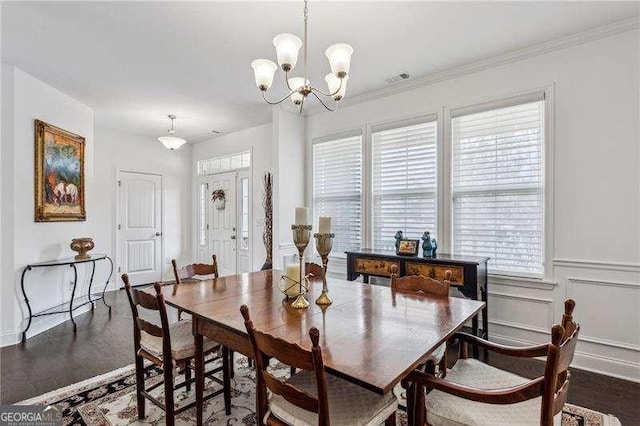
110,399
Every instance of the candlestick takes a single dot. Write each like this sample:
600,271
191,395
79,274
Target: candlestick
324,243
301,235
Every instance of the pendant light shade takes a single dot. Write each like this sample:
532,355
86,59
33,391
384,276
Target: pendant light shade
287,48
335,88
339,56
172,142
263,70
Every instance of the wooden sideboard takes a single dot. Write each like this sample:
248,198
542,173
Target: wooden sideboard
469,273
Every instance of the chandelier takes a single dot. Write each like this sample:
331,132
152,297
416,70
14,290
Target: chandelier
172,142
287,47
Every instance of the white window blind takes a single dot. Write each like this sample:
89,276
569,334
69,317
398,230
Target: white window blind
337,190
498,186
404,182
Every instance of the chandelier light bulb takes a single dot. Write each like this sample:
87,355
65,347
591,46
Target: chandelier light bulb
297,83
339,56
333,83
263,70
287,48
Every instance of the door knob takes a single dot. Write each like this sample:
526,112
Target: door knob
158,234
233,237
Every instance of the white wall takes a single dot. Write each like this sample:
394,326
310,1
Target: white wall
258,140
23,240
288,179
594,253
118,151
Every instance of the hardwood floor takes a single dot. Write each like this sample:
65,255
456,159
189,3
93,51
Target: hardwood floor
57,358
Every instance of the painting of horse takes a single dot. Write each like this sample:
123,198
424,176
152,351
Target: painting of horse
59,174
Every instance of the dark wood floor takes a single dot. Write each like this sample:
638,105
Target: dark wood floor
57,358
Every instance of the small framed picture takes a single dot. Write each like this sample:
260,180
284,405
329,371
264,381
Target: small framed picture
408,247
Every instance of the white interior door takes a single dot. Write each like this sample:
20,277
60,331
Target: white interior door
222,223
140,227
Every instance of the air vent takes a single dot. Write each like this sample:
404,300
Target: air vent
216,132
396,78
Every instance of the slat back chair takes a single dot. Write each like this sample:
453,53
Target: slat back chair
194,269
266,347
552,387
165,357
316,270
420,283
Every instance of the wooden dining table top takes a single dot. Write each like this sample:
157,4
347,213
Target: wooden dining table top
370,335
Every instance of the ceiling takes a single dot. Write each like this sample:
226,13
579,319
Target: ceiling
136,62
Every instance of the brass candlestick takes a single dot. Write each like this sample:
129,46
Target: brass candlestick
324,243
301,236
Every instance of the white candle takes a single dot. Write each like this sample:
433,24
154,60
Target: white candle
324,225
302,216
292,272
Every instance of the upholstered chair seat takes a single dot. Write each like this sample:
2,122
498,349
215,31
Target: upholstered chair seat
182,343
444,409
349,404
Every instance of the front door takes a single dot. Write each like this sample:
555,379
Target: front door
139,227
222,223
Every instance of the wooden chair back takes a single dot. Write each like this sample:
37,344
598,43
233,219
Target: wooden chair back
420,283
316,270
194,269
153,303
266,347
564,338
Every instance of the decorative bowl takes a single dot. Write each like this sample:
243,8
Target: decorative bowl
82,246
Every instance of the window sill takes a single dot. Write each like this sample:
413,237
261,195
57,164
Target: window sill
516,281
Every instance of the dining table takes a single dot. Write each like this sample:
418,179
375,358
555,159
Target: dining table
371,335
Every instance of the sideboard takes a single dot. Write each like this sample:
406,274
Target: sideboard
469,273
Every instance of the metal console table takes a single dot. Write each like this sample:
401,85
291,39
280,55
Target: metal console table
83,300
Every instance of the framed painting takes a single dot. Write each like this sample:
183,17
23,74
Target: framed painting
408,248
59,175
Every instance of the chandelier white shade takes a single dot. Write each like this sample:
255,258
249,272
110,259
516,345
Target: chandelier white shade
172,142
287,49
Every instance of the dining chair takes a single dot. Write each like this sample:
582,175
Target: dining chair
310,397
172,348
200,269
476,393
432,287
316,271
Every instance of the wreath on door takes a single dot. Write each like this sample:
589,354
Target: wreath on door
218,199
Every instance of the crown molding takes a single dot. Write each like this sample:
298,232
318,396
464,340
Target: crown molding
494,61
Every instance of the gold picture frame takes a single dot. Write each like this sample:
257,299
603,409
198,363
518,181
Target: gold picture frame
408,247
59,193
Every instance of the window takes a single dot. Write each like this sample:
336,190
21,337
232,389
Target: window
244,214
202,213
498,185
404,181
241,160
337,189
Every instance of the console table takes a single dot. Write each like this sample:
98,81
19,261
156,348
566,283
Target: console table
81,300
469,273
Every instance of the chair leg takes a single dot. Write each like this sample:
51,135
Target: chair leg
187,374
226,380
292,371
391,420
140,386
232,364
168,394
250,362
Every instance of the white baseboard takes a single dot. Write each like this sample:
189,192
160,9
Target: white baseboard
607,366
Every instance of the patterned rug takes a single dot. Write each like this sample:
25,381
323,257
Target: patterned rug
110,399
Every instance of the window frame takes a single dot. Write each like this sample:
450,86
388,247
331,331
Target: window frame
432,117
354,132
548,232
